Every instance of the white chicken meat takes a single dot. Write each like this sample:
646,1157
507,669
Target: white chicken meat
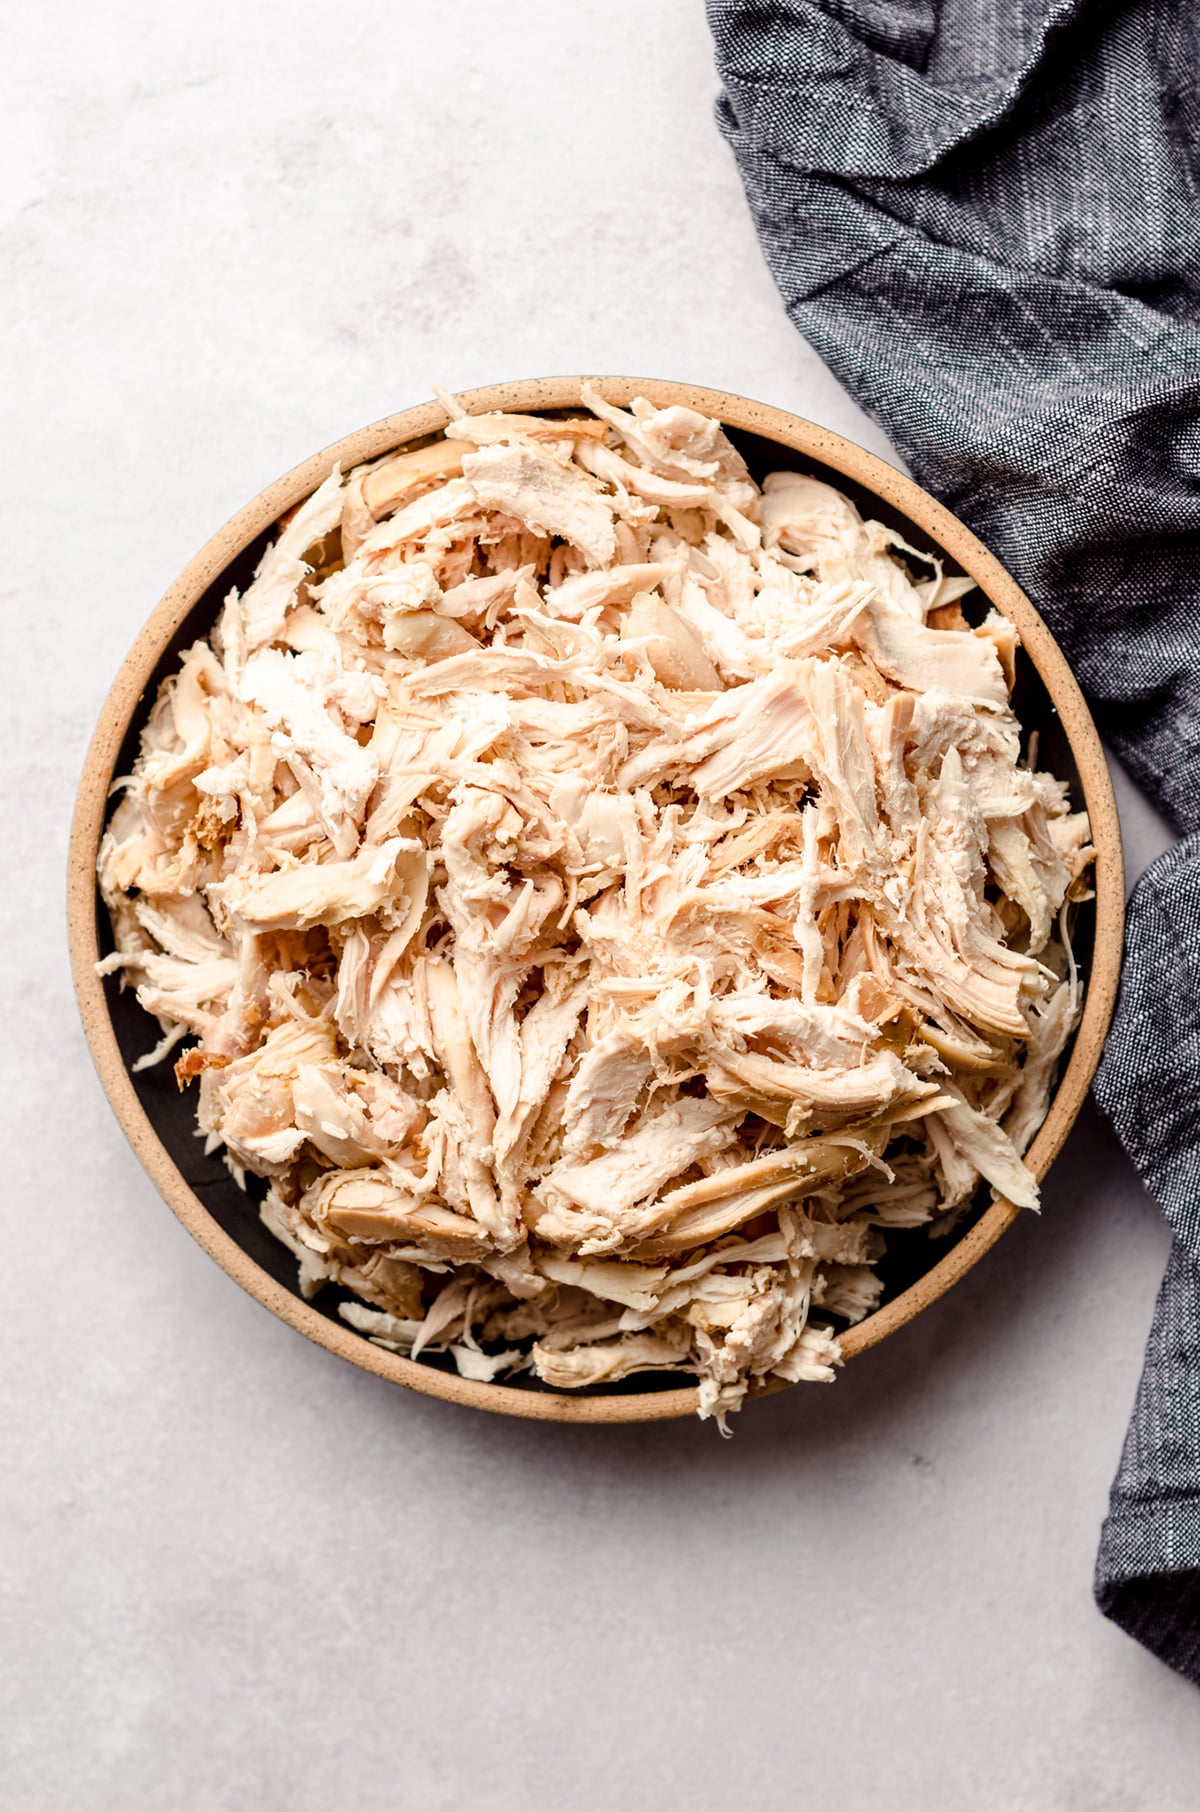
606,896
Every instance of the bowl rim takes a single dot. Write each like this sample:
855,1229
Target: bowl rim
801,438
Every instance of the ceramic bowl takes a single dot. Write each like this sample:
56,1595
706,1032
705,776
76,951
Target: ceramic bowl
159,1122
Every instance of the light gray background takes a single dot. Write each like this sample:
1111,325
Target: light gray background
236,1573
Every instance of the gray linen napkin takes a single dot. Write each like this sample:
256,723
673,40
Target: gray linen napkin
983,214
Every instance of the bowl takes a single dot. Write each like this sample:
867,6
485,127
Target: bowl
159,1122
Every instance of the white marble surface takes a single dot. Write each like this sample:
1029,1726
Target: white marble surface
235,1572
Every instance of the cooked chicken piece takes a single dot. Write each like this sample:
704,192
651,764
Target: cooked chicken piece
393,481
313,713
364,1208
795,1096
674,649
810,521
486,430
988,1148
598,1190
750,733
691,1216
581,592
606,1361
668,493
605,1089
249,1103
351,1117
602,898
315,893
549,498
273,591
424,635
678,442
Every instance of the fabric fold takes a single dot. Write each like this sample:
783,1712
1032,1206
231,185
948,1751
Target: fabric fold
1147,1579
875,88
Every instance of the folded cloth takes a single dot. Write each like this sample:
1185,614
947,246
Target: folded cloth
983,214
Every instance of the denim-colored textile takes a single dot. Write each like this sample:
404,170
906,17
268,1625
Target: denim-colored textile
984,216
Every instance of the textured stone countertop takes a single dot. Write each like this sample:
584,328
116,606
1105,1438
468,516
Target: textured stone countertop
234,1572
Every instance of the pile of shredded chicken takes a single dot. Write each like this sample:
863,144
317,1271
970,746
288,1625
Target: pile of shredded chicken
605,895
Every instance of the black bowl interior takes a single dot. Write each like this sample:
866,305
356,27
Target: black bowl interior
910,1252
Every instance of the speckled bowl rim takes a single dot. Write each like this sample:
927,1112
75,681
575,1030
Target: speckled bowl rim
801,438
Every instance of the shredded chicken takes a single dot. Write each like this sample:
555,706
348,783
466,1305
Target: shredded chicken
604,897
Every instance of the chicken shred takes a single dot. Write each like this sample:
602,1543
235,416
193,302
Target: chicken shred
606,896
